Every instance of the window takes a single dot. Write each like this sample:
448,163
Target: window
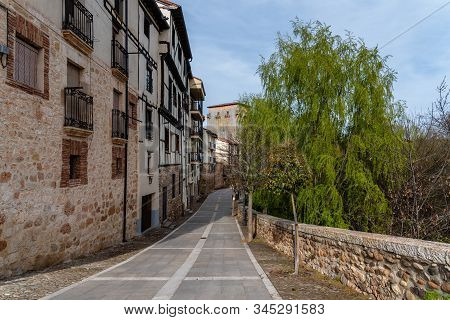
209,116
73,75
149,84
26,62
148,124
174,98
118,166
170,94
147,27
118,7
179,53
173,36
116,100
74,167
167,140
228,114
177,143
173,185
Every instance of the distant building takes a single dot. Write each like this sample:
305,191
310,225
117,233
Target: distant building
223,119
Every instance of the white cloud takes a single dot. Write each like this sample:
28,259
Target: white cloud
228,38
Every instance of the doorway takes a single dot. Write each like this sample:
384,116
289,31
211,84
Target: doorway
146,214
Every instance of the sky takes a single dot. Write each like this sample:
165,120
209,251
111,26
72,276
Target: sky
229,38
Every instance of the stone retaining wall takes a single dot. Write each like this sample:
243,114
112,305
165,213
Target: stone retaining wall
384,267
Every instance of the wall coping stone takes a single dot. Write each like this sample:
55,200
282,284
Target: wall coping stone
434,252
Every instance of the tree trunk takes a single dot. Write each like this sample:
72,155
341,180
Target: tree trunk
296,240
250,216
244,211
233,205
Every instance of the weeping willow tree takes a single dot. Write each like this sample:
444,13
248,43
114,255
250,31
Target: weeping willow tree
338,95
261,126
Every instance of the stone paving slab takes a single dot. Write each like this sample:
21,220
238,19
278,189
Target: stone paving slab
228,263
112,290
222,290
205,258
223,228
153,263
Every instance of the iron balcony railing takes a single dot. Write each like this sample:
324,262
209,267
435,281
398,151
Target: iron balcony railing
78,109
119,124
196,157
119,57
196,131
78,20
197,106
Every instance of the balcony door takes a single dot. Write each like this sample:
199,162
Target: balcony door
73,75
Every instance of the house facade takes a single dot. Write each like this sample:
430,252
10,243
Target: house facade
93,100
208,173
223,120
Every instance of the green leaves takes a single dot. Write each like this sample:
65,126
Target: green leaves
329,122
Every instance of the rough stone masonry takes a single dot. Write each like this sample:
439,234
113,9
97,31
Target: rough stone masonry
384,267
44,218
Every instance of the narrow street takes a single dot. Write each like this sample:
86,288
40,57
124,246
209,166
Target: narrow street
205,258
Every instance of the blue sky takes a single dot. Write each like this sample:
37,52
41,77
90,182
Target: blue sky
228,39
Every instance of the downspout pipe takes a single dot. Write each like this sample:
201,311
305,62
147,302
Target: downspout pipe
125,180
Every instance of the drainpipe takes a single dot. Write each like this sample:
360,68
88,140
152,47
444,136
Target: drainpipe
125,180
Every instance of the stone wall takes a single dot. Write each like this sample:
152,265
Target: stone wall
44,219
219,179
174,203
207,180
384,267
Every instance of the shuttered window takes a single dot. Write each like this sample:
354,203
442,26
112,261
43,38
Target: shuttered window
148,124
26,64
167,140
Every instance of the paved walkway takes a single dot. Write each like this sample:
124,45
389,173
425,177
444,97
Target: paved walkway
205,258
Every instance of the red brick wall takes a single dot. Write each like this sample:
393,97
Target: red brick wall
117,152
78,148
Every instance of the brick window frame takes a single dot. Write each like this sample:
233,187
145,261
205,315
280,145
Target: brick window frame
118,154
19,27
74,148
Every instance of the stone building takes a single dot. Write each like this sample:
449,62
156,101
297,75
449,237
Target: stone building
195,146
208,177
175,54
91,103
223,119
66,152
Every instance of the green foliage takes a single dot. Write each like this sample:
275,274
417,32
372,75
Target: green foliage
333,97
434,295
277,205
287,170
